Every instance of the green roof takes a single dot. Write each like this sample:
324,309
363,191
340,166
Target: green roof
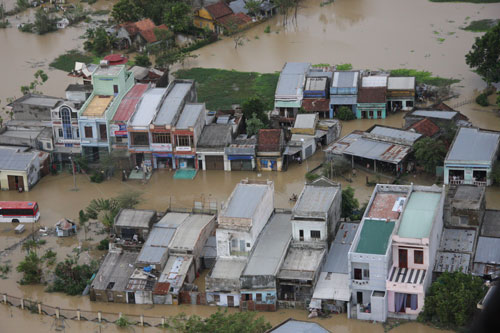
419,214
375,236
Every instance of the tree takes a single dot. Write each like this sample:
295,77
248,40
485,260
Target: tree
32,245
430,153
107,209
253,7
40,78
127,11
31,269
142,59
98,41
255,105
43,22
452,299
349,202
254,124
495,173
72,278
345,113
82,221
484,57
178,16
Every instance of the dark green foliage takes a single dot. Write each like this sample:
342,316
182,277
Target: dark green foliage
142,60
43,22
107,209
254,106
311,176
103,245
97,177
254,124
452,299
267,30
27,27
31,267
127,11
178,16
349,202
98,41
345,113
344,67
424,77
495,173
430,153
481,25
66,62
72,278
220,88
483,57
482,99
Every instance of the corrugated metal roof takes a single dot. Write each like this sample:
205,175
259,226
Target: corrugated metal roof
160,236
270,247
434,114
345,79
147,107
473,145
315,199
491,223
303,120
175,271
457,240
172,103
215,135
343,99
401,83
487,250
452,262
129,102
10,159
290,86
296,67
190,115
228,268
332,286
374,81
133,218
188,233
152,254
115,271
336,261
377,150
297,326
245,200
316,84
395,133
172,220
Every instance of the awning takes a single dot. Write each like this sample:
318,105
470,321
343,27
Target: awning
162,155
291,104
343,99
292,150
239,157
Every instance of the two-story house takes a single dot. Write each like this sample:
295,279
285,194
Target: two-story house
290,89
270,146
344,91
372,97
186,133
400,93
110,84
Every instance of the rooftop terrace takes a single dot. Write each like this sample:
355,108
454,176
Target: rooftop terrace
386,205
97,106
374,236
418,215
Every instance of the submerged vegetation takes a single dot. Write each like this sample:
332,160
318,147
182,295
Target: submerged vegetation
66,62
481,25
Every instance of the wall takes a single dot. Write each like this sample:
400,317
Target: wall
4,179
224,243
223,298
307,226
371,107
278,161
468,173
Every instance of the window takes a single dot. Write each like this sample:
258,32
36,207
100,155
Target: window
74,115
139,139
234,243
184,140
103,132
247,297
258,297
77,133
418,257
301,235
88,131
217,298
115,89
248,244
161,138
358,274
60,132
366,273
409,104
315,234
379,114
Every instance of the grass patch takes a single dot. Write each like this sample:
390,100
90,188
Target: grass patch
424,77
220,88
344,67
440,40
66,62
321,65
481,25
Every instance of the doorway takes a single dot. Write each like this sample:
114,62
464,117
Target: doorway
403,258
15,182
359,297
230,300
131,297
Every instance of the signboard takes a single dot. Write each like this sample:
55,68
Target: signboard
161,146
120,131
183,148
113,128
69,141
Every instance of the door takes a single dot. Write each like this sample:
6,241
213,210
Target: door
131,297
230,300
359,297
115,89
12,182
20,182
403,258
301,235
214,162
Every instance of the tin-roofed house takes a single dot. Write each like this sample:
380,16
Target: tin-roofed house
258,279
211,147
302,144
34,107
371,102
133,225
178,271
270,146
19,169
290,89
186,134
471,157
241,153
400,93
344,91
415,243
487,258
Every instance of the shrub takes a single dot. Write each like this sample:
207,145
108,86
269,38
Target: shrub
97,177
344,67
103,245
310,176
345,113
267,30
482,99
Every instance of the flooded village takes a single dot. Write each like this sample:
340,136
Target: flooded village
333,195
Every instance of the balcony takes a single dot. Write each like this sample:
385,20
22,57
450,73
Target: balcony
456,181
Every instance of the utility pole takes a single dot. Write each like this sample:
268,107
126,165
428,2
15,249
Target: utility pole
74,175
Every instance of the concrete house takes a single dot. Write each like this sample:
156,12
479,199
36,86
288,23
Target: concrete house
211,15
400,93
414,246
290,89
467,204
211,147
178,271
344,91
28,133
19,170
241,153
110,84
134,224
186,134
137,34
34,107
258,279
471,157
456,251
303,141
270,146
487,258
372,97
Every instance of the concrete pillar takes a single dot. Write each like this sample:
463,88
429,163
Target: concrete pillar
163,321
141,320
99,316
58,313
78,315
39,308
22,304
4,298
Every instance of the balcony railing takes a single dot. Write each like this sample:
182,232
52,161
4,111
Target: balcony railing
479,183
456,181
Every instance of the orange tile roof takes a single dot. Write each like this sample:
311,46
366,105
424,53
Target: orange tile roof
426,127
219,10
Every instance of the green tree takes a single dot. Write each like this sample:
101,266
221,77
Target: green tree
43,22
430,153
22,4
178,16
345,113
127,11
253,7
452,299
142,59
31,267
72,278
32,245
106,209
484,57
82,221
254,124
349,202
98,41
40,78
255,105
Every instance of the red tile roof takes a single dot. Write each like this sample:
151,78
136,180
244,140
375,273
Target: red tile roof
116,59
269,140
236,19
316,104
129,101
372,95
218,10
426,127
145,28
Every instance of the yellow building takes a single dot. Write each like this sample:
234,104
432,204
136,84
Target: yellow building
19,170
210,16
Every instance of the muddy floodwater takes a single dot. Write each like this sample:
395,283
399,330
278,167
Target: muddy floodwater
368,34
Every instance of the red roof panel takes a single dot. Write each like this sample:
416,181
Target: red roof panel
218,10
425,127
129,101
316,104
17,204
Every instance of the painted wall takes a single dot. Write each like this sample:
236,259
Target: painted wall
374,107
468,173
306,227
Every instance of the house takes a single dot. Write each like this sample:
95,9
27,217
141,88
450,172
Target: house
471,157
211,15
321,106
113,277
150,75
138,34
305,124
139,289
317,212
178,271
65,228
266,8
241,153
400,93
456,251
258,279
442,118
28,133
83,71
33,107
211,146
78,92
223,282
134,224
270,145
118,125
290,89
234,22
303,141
487,258
298,326
328,130
426,127
62,23
19,169
491,223
138,128
179,93
344,91
110,85
370,256
467,205
372,97
66,132
414,246
331,293
316,87
186,134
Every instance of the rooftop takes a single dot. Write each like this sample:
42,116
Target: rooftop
218,10
215,135
317,104
172,103
401,83
129,102
316,83
297,326
314,200
97,106
301,263
134,218
448,115
15,159
491,223
175,271
115,271
374,237
172,220
457,240
228,268
332,286
291,80
469,197
372,95
425,127
245,200
79,87
374,81
336,261
152,254
188,233
345,79
190,115
419,214
387,205
396,134
487,250
452,262
270,247
473,145
269,140
108,70
37,100
304,120
147,107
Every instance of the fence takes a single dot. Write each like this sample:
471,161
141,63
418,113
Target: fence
83,315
